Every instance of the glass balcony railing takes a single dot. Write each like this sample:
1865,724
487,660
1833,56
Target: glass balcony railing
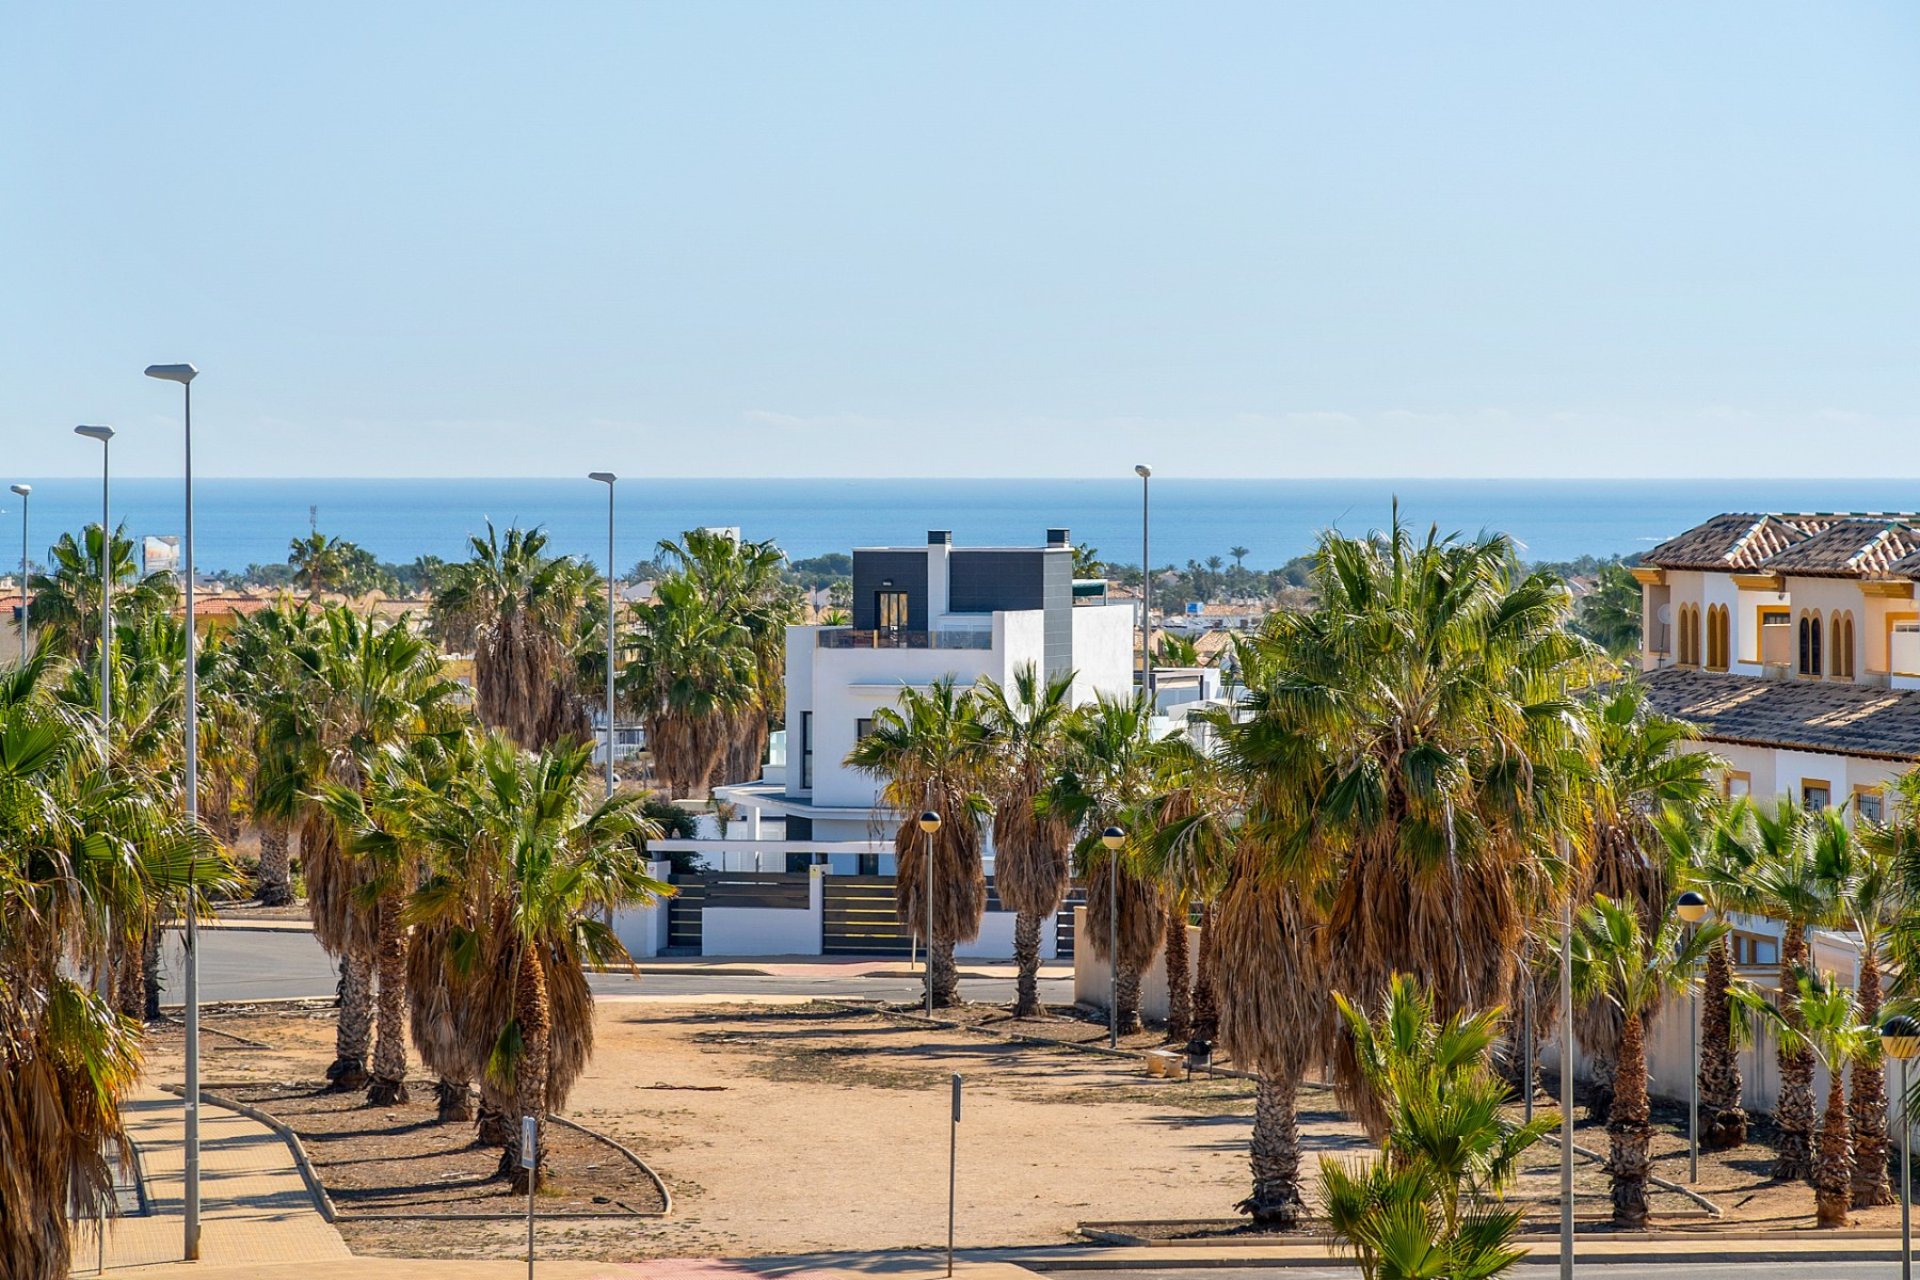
849,638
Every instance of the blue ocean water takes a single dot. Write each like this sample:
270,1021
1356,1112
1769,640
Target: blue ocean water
242,522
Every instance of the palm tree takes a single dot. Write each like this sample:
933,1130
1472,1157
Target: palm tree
1615,960
324,561
742,582
65,609
1609,615
1406,733
932,752
365,689
86,855
1717,862
1110,780
690,677
1239,555
1788,886
260,666
1195,805
521,609
523,841
1635,767
1860,868
1026,733
1820,1015
1428,1206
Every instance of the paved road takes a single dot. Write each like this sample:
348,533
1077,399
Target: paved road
246,965
1802,1269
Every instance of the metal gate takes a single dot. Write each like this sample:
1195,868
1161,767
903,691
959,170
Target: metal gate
683,913
858,918
1063,923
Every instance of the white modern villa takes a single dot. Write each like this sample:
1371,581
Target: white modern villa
921,613
1793,642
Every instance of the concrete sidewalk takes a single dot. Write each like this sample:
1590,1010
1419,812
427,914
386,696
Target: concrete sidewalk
255,1208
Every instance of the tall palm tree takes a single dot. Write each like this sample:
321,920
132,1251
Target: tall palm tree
326,562
261,666
521,609
1633,769
1859,865
1820,1015
690,676
1716,860
1026,731
1614,959
742,583
365,689
524,841
85,855
1414,715
65,609
931,751
1195,806
1788,886
1109,784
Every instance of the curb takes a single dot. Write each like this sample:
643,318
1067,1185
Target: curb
666,1196
322,1200
1174,1260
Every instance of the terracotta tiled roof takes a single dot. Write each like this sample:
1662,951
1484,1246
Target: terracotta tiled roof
1739,540
1850,548
1847,544
1809,715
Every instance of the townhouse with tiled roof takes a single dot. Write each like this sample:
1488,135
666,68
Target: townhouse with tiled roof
1793,641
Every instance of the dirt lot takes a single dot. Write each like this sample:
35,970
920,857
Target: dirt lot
802,1127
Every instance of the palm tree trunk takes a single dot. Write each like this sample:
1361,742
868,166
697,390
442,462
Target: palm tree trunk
273,883
532,1010
1275,1201
150,985
389,1082
1126,999
1026,957
1206,1008
1793,1113
1720,1084
129,977
349,1069
1867,1104
1179,977
494,1126
1628,1131
1833,1172
1604,1064
453,1100
946,977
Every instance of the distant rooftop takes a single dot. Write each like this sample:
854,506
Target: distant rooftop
1833,544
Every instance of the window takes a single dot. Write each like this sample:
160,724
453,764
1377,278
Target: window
1840,650
1718,634
1815,796
1870,803
806,750
862,727
1738,783
869,864
890,610
1810,640
1690,635
1774,637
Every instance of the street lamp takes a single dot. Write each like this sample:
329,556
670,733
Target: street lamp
1114,838
26,632
1692,908
1566,1064
607,478
1900,1036
105,436
930,826
1145,473
184,374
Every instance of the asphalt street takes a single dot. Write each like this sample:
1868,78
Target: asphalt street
240,964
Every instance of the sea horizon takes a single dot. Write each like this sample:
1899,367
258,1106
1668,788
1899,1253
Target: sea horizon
242,521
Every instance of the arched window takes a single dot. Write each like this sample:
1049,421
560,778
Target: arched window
1840,650
1717,636
1690,635
1810,640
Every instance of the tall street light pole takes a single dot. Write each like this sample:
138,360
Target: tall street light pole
1900,1035
607,478
1114,838
1692,908
930,827
184,374
1145,473
26,628
1566,1067
105,436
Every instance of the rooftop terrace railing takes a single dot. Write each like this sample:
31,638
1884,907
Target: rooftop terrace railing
848,638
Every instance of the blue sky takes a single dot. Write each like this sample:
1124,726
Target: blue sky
964,239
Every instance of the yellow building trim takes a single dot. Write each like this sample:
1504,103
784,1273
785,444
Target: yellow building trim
1887,590
1758,581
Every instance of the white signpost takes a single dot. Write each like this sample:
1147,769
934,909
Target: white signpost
530,1161
953,1165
